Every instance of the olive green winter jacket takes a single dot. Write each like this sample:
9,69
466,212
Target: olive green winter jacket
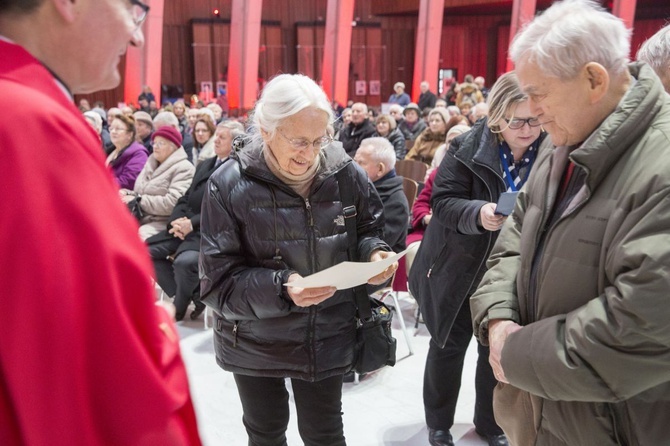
591,366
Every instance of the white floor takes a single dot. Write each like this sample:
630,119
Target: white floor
385,408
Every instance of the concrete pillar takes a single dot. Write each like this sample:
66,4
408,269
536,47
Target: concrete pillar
245,38
625,10
523,11
428,40
337,50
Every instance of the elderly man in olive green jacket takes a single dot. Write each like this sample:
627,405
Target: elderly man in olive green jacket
576,303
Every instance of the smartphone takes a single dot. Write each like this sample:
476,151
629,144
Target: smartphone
505,204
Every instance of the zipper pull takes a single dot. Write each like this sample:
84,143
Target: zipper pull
235,335
309,211
429,271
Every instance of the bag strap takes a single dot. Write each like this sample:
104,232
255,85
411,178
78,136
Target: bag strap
345,182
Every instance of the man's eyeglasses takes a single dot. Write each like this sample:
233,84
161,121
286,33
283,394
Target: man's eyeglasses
517,123
139,11
302,144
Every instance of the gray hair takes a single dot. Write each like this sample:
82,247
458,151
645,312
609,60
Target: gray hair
397,107
504,94
165,118
96,119
389,119
284,96
235,128
209,113
570,34
381,149
656,51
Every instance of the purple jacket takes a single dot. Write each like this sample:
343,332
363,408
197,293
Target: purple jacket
129,164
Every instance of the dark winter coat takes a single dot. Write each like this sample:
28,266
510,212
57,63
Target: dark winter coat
256,231
396,210
427,99
396,138
352,135
414,132
451,259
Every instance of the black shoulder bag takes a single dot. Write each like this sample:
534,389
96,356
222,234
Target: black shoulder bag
375,346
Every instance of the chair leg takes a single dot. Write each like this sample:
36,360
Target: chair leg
402,323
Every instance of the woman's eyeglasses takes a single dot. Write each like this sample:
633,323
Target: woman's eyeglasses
302,144
517,123
139,11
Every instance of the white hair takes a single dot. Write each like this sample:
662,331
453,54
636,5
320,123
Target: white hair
284,96
208,112
570,34
166,118
397,107
381,150
95,119
656,51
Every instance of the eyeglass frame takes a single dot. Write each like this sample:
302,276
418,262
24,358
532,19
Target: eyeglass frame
524,122
322,142
145,12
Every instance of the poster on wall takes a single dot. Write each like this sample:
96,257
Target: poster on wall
375,88
361,88
221,88
206,92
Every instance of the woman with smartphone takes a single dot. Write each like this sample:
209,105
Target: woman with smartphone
495,157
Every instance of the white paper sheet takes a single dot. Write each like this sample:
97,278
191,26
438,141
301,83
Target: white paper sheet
346,274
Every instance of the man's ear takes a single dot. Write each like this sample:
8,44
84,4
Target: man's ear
66,8
381,168
598,79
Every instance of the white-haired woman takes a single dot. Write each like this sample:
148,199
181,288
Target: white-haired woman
387,127
495,156
270,217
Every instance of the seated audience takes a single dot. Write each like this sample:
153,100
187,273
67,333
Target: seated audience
431,138
358,129
441,151
175,250
469,91
128,157
387,128
170,119
95,121
412,124
377,157
144,126
165,177
203,145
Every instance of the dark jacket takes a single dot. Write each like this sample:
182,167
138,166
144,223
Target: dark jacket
414,132
396,138
427,99
451,259
352,135
189,206
256,231
396,210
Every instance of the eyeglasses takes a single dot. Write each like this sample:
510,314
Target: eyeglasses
139,11
517,123
201,131
117,129
302,144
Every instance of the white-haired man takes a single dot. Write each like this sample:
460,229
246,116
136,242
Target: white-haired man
357,130
575,302
656,52
427,98
87,357
377,157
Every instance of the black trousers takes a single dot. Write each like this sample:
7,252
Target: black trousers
265,402
179,278
442,379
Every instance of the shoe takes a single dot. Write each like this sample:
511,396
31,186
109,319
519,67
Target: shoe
495,440
195,314
440,438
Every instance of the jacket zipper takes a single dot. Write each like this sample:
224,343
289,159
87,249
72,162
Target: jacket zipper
312,310
235,334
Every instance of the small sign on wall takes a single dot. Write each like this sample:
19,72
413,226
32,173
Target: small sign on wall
361,88
375,88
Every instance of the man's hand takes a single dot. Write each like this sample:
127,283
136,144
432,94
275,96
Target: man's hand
181,227
499,329
385,275
489,220
305,297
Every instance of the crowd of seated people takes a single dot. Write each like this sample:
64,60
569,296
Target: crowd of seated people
165,157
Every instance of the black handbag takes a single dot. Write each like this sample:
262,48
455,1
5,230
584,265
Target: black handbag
375,345
135,208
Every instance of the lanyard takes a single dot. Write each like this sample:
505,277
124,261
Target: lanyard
508,175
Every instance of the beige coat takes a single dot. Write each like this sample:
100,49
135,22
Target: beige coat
160,187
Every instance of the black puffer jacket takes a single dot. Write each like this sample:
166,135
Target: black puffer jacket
451,260
396,138
256,231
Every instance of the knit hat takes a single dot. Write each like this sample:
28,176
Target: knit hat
442,112
170,133
412,106
458,129
144,117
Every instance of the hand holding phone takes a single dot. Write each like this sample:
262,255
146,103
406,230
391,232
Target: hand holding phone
506,202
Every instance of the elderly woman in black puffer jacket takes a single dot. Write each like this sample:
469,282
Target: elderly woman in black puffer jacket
273,214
